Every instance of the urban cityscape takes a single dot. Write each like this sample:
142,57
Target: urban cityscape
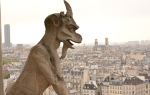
96,69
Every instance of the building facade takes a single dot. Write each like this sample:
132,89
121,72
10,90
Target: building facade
129,86
89,88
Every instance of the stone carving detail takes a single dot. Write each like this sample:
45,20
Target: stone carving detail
42,68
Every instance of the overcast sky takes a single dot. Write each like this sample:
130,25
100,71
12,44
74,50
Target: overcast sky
119,20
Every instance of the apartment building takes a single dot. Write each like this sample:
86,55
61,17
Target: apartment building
125,86
89,88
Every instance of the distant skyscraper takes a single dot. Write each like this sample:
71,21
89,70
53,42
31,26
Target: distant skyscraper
95,45
7,35
96,42
106,42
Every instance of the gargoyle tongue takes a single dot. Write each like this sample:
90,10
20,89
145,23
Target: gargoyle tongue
66,44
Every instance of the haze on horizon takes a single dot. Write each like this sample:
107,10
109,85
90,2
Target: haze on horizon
119,20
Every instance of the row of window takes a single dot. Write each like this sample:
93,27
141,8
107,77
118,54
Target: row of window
89,91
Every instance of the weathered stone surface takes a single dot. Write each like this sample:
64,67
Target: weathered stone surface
42,68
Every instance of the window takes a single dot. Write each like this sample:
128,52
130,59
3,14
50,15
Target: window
132,92
98,93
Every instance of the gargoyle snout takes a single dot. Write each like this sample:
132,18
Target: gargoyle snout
75,27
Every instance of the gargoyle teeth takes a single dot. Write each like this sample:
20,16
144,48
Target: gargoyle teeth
70,42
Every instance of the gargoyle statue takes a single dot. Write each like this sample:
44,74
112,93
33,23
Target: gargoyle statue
42,68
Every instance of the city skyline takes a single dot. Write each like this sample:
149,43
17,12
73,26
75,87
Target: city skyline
119,20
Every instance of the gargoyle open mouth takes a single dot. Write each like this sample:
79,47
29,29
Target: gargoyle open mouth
66,44
70,44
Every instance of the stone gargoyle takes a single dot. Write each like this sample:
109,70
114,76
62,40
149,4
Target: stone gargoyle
42,68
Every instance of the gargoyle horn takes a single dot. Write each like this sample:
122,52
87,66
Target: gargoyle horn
68,8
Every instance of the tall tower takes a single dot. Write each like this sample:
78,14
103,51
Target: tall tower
106,42
95,45
7,35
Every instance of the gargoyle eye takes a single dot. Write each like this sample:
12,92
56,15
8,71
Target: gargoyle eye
72,27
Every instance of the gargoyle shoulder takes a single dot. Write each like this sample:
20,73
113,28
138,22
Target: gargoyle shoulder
40,51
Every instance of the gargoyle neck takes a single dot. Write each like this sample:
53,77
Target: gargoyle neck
50,40
51,43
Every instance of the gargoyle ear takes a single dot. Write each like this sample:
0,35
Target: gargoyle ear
52,20
62,14
55,20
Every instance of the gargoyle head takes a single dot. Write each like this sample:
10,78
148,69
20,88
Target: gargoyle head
68,27
71,28
65,28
